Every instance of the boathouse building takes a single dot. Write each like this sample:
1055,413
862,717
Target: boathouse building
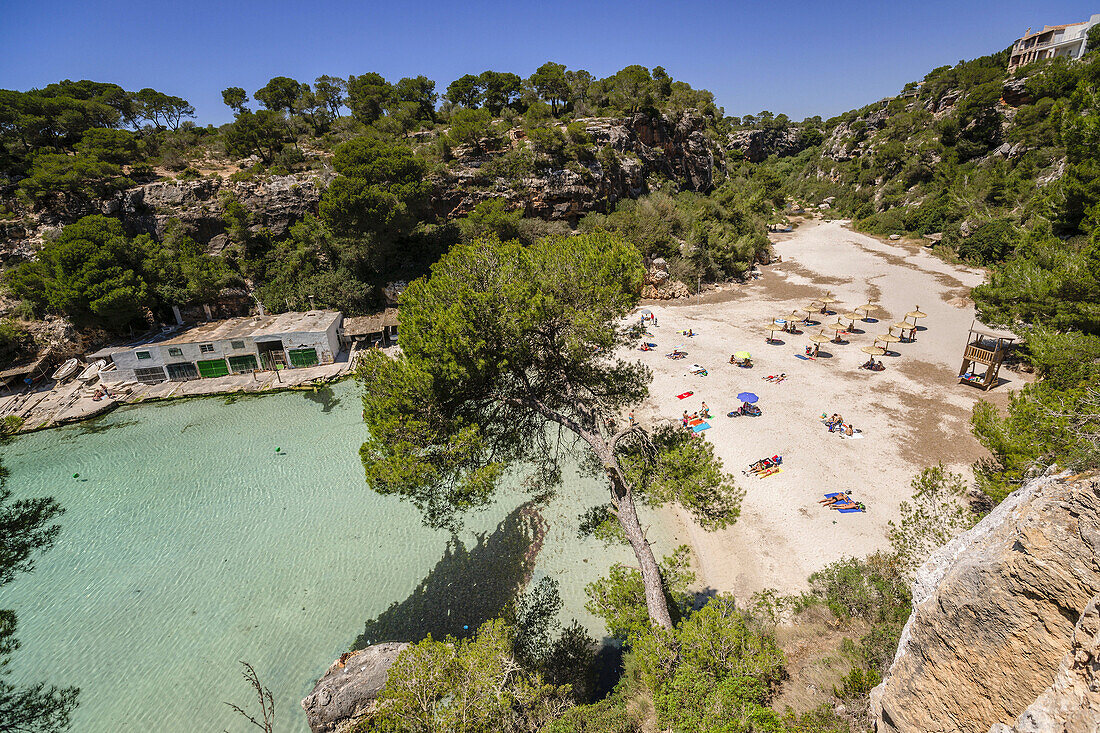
233,346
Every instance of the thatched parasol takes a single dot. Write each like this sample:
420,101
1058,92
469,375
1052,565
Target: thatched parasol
915,314
851,316
903,325
873,350
888,338
868,308
828,299
820,338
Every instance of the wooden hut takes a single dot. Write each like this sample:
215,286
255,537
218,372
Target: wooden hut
986,349
379,329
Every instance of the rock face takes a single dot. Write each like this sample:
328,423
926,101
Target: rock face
348,688
274,203
995,612
1072,703
1014,92
673,146
757,145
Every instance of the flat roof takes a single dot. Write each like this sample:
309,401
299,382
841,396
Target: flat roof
362,325
254,326
1049,28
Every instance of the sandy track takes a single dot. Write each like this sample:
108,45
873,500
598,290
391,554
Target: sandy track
912,415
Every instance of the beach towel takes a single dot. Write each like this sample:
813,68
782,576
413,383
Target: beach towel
850,510
684,396
696,421
803,357
854,436
835,493
770,472
701,427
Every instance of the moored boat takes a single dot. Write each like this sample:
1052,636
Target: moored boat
66,370
91,371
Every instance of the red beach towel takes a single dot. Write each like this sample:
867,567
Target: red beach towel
684,396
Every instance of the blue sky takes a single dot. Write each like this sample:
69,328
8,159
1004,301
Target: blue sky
801,58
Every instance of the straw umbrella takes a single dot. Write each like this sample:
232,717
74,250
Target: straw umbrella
827,301
795,318
902,327
873,350
867,309
771,328
818,339
887,338
852,317
838,327
915,314
811,308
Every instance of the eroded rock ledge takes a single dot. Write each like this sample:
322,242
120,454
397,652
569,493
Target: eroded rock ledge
995,613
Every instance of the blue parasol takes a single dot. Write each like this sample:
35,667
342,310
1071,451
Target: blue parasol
747,397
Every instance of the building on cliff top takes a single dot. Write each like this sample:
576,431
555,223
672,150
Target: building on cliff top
232,346
1053,42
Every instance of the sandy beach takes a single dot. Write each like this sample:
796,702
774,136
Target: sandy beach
913,414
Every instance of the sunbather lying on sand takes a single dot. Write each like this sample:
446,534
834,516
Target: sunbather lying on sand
838,499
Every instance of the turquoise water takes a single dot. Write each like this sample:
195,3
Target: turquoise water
188,544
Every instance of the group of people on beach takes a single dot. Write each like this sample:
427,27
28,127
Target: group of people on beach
836,424
702,414
874,366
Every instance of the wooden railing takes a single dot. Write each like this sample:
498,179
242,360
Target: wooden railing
974,353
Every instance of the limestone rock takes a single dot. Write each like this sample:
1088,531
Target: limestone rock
1014,92
757,145
348,688
1072,703
995,611
674,146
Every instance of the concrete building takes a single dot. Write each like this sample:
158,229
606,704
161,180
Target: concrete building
233,346
1054,41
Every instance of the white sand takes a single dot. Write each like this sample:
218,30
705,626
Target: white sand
912,415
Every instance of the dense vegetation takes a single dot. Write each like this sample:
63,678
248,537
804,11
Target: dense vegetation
69,146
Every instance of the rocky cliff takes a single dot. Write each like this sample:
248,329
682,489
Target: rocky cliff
634,149
641,146
996,611
273,203
757,145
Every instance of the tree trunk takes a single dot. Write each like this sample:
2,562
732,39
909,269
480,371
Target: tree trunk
655,600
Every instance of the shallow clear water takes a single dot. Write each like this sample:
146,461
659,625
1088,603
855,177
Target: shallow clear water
188,544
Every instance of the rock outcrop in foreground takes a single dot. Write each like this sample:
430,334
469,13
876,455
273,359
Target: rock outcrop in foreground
348,688
996,611
1072,703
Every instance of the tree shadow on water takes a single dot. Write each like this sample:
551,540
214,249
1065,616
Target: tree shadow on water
467,586
323,396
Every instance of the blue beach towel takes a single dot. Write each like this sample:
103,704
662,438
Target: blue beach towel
802,357
701,427
849,511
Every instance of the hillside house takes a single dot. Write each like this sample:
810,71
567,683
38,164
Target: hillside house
1054,41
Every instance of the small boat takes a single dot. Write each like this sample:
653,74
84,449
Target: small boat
66,370
91,371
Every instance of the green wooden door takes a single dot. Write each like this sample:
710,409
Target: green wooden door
303,357
244,363
213,368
